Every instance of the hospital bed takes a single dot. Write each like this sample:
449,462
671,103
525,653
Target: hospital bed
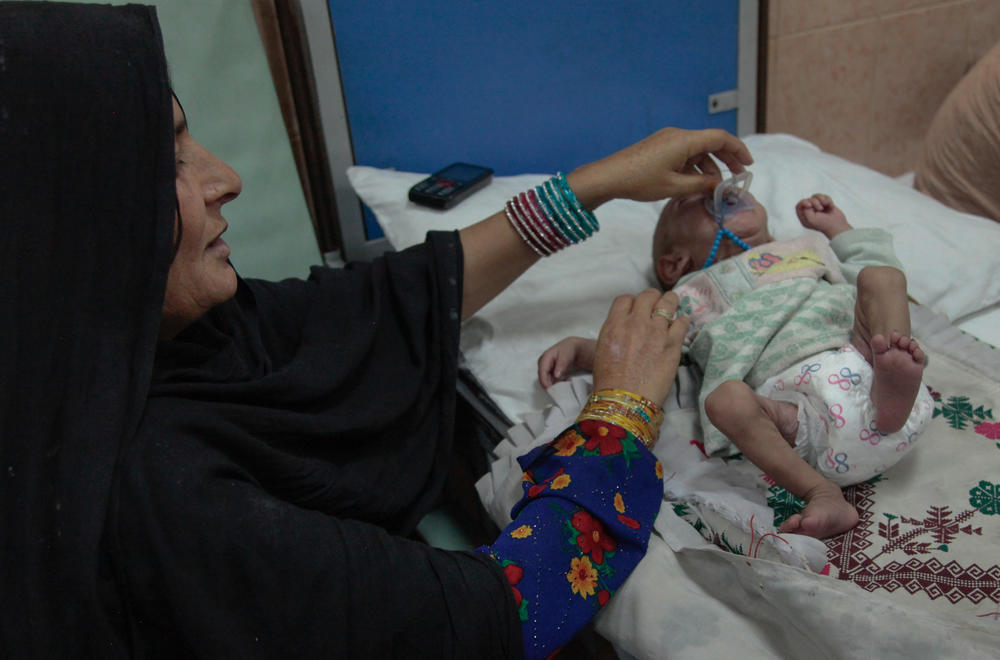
918,577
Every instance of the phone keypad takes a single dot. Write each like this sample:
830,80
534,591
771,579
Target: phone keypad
439,188
442,191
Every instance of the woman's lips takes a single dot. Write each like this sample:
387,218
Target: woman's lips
219,247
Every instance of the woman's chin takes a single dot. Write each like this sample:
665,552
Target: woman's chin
224,283
231,281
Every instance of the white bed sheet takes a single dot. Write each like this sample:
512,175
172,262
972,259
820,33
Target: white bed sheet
775,595
983,325
950,257
730,606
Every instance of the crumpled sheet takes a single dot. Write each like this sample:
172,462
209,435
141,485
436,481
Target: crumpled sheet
773,595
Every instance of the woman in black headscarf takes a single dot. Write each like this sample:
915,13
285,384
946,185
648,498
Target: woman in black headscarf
192,464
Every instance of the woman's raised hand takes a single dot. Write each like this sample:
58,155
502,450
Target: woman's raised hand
670,162
639,347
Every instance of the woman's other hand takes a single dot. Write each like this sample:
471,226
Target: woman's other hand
639,347
670,162
565,356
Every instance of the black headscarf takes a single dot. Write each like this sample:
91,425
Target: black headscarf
86,213
239,491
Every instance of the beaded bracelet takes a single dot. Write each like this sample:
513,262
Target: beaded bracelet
521,230
637,415
567,192
531,232
559,222
553,199
550,217
524,202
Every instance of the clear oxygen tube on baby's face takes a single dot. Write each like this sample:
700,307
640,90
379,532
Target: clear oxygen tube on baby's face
731,196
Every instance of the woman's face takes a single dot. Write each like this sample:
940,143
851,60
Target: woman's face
200,276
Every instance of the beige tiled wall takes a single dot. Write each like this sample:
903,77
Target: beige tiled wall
863,78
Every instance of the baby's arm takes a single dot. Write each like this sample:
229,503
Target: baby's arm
818,212
564,356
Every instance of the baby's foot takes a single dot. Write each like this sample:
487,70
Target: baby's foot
827,514
899,365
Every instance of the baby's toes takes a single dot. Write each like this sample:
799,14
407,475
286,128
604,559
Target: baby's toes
879,344
792,525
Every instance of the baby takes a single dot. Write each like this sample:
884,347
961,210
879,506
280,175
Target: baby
808,366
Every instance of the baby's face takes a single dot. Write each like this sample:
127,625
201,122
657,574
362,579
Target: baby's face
693,228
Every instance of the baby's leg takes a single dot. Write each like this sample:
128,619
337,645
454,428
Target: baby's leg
882,333
764,430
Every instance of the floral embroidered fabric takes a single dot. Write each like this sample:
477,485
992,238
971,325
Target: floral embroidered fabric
590,499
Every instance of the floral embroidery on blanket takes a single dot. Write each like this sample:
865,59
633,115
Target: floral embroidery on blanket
928,528
856,554
912,548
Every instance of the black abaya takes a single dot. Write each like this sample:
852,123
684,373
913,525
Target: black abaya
236,492
86,207
275,479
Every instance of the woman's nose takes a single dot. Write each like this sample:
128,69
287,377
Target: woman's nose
222,183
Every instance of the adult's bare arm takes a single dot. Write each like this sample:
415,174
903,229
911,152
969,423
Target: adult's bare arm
669,162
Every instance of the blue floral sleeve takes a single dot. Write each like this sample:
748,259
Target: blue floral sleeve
590,499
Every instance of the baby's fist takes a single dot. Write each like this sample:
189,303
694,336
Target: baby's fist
819,212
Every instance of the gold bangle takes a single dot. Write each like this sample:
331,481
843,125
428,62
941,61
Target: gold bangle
637,415
643,406
624,394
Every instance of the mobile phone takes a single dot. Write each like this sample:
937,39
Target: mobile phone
450,185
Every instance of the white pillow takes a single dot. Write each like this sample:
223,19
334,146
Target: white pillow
950,257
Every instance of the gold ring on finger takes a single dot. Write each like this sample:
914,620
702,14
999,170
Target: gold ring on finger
659,311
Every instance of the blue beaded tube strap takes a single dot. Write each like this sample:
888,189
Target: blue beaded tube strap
737,185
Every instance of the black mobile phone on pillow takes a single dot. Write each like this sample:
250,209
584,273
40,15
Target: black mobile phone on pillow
449,186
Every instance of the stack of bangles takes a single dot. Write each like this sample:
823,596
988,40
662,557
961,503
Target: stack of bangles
550,217
640,417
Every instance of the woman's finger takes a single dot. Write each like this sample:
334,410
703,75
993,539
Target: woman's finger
621,306
724,146
643,305
676,326
678,329
686,184
707,165
668,301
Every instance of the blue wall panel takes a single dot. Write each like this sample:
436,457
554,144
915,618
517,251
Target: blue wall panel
527,86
